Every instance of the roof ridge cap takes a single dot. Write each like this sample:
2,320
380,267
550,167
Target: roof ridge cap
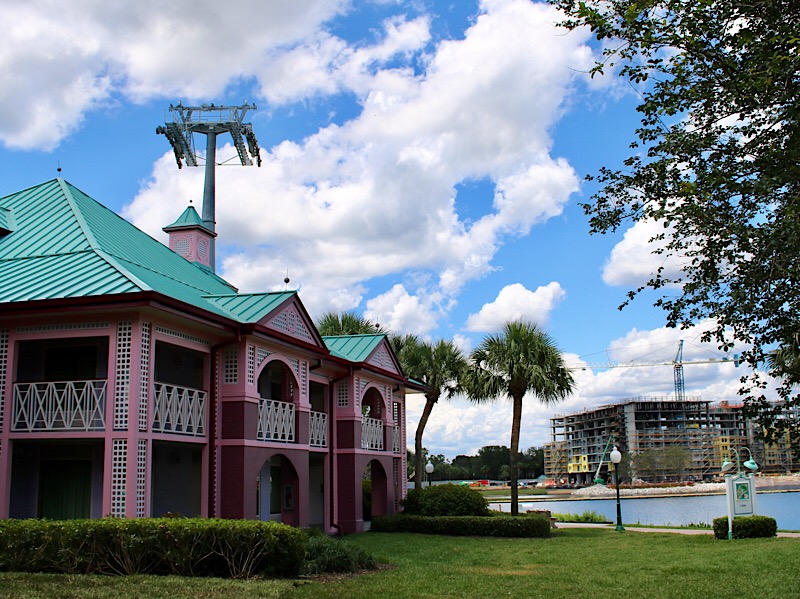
90,238
163,274
113,261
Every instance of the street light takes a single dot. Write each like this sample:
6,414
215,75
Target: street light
740,492
429,470
616,458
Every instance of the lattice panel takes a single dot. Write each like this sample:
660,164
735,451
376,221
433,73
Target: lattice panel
3,369
68,326
396,481
231,357
144,370
251,365
290,321
123,377
261,355
300,369
141,477
383,359
119,458
343,394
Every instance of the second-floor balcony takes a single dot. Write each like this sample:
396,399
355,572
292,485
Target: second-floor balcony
59,406
276,421
371,434
179,410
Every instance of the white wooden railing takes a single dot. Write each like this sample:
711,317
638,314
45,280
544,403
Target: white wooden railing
60,406
276,421
396,446
318,429
179,410
371,434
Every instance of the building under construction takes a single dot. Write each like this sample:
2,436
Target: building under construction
655,429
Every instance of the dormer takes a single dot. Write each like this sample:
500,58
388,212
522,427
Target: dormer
189,237
7,223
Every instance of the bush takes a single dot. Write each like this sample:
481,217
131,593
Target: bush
498,526
445,500
326,554
180,546
746,527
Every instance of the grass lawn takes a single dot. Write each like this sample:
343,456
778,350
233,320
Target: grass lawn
575,563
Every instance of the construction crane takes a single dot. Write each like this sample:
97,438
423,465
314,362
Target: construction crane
680,383
677,365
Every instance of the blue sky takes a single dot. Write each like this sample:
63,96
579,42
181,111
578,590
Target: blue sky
423,164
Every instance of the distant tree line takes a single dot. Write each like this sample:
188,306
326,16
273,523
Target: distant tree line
492,462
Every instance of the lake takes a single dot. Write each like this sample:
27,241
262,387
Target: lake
671,511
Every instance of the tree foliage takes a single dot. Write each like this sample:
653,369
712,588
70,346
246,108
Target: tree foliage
717,163
346,323
440,367
520,359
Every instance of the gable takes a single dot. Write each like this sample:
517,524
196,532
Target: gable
293,320
384,358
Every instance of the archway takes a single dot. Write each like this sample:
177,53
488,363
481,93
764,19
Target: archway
277,489
374,491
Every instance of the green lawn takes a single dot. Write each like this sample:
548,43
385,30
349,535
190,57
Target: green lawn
575,563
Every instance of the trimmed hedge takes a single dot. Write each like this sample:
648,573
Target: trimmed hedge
533,526
179,546
445,500
746,527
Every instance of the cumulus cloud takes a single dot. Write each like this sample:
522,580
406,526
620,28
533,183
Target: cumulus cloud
515,302
376,195
633,260
57,63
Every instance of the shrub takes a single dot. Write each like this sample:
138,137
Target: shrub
498,526
181,546
326,554
746,527
445,500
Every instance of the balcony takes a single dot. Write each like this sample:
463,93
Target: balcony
179,410
318,429
276,421
372,434
396,444
59,406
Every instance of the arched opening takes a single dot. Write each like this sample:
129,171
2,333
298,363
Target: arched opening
372,404
276,410
276,491
372,420
374,491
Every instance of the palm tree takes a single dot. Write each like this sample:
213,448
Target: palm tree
439,367
520,359
346,323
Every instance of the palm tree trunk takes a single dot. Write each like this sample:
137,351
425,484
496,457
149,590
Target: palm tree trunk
516,419
419,459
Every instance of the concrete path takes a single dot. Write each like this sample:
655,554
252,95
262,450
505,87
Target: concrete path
681,531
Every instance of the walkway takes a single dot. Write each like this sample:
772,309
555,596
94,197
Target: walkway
681,531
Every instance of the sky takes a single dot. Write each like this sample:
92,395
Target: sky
424,163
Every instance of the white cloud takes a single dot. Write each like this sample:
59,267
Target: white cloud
58,62
633,262
515,302
375,195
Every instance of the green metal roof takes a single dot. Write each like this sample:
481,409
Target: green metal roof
7,222
189,218
250,307
355,348
65,244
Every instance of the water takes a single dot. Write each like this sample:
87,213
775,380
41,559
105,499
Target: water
671,511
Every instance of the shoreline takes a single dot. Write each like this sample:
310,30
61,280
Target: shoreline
573,497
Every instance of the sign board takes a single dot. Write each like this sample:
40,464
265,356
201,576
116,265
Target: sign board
740,492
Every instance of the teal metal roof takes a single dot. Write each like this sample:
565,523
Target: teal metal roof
189,218
250,307
355,348
7,222
65,244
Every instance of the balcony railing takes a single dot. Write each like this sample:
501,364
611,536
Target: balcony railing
318,429
372,434
60,406
179,410
396,445
276,421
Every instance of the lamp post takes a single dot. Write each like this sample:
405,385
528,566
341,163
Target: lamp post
739,491
616,458
429,470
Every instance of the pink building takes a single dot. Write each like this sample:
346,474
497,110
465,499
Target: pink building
134,382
